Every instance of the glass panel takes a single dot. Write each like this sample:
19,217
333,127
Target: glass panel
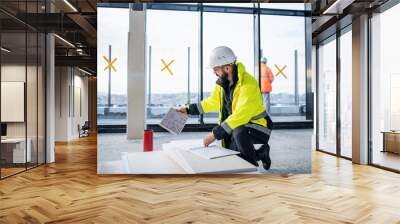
346,94
222,30
327,97
283,81
13,87
385,86
112,98
172,61
31,100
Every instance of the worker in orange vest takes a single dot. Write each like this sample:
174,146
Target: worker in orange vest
266,84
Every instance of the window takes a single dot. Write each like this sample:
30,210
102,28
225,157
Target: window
283,46
225,29
346,94
112,41
385,89
327,96
172,52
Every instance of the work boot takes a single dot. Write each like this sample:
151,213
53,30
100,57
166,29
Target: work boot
263,155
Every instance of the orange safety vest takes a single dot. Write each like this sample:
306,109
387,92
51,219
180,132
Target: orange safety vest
266,78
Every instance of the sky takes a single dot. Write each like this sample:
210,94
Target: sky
174,36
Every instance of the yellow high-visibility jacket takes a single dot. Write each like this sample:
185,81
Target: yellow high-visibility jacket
247,106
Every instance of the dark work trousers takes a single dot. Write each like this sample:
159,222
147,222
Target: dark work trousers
243,140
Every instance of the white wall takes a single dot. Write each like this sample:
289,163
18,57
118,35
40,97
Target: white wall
61,103
70,84
79,117
15,73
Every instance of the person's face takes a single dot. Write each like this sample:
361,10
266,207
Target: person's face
222,71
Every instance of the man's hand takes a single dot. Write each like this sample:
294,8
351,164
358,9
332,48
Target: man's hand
182,110
208,139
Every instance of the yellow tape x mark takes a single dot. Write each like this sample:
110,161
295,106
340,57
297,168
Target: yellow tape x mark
110,64
280,71
166,66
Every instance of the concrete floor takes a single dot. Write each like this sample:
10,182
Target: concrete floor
290,149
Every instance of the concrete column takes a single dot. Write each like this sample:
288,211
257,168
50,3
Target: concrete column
50,98
136,72
360,90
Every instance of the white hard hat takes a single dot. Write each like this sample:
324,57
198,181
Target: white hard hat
221,56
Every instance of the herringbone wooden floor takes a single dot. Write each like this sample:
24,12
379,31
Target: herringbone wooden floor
70,191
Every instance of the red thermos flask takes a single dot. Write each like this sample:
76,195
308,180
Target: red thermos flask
148,140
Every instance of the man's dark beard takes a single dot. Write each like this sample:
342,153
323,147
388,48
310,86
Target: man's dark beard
224,78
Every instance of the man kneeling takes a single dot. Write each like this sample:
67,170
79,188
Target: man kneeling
242,116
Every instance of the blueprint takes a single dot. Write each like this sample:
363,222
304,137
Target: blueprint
174,121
